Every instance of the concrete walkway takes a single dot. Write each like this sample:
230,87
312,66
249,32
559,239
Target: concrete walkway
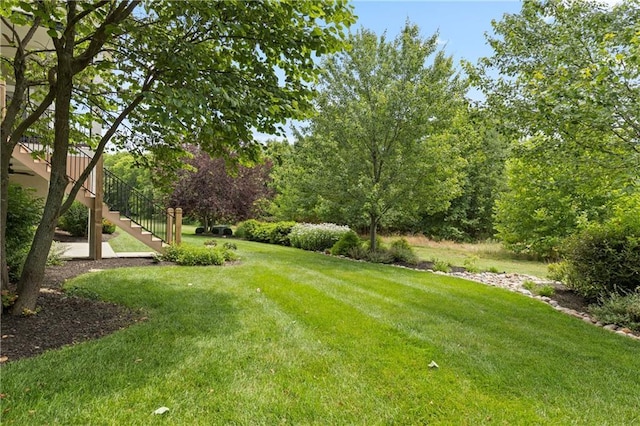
81,251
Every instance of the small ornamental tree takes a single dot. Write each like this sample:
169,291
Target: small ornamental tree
211,192
171,70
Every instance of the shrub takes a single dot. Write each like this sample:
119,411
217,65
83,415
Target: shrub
379,256
56,252
229,245
316,237
279,233
246,229
539,289
75,220
23,215
108,227
357,253
349,241
198,256
441,265
401,251
265,232
471,265
604,259
622,310
546,290
558,271
262,232
211,243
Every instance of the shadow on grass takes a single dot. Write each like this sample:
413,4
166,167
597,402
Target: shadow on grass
183,322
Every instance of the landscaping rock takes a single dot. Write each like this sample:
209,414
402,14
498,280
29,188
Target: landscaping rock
514,282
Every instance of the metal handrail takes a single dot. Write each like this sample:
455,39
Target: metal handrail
117,194
134,205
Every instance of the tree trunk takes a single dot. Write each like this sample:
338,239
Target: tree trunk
4,206
373,233
34,266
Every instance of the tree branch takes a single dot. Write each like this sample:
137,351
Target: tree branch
103,142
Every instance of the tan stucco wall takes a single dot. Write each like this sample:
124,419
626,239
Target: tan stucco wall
38,183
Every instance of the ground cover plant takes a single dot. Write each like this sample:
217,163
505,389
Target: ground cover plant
299,337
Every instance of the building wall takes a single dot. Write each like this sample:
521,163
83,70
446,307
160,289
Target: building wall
36,182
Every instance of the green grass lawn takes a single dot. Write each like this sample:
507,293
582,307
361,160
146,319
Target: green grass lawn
287,336
125,242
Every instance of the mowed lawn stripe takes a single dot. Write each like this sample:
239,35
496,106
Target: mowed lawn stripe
504,341
287,336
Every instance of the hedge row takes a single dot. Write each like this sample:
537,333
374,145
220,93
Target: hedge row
319,237
339,240
265,232
198,256
301,235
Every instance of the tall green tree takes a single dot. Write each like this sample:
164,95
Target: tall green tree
209,71
568,70
377,147
552,193
470,214
563,82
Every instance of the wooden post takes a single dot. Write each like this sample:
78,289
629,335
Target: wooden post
95,216
169,225
178,225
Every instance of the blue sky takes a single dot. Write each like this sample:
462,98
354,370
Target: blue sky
461,24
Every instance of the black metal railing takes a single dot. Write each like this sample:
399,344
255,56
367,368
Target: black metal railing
118,195
134,205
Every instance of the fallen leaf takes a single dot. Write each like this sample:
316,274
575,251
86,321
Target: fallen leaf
161,410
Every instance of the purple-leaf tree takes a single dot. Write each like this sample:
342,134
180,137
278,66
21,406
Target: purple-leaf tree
212,192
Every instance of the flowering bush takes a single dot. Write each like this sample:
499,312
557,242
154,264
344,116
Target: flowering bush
316,237
108,227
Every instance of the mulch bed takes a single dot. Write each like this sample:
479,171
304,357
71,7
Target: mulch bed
64,320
